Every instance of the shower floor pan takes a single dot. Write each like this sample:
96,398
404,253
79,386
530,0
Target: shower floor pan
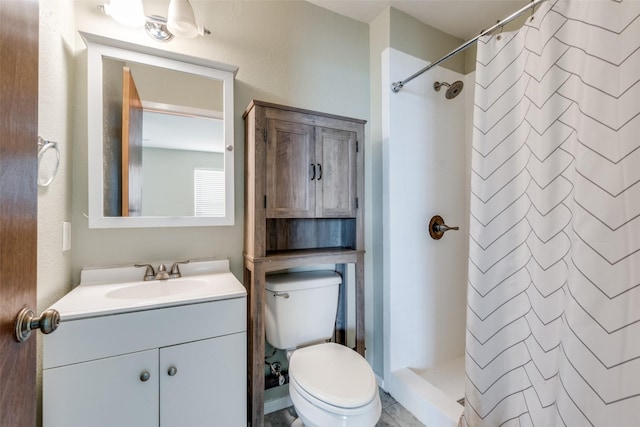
434,395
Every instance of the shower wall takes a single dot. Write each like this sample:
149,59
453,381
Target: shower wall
425,173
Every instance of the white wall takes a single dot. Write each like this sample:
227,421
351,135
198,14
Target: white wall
424,161
396,29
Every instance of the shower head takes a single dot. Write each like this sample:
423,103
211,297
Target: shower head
453,90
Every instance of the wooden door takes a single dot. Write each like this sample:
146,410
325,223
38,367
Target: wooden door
131,146
291,170
337,173
18,205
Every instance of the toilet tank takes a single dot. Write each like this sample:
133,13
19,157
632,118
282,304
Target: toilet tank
301,307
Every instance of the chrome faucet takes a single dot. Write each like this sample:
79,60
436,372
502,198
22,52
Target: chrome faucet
162,273
174,273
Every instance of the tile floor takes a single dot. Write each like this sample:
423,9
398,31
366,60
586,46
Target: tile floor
393,415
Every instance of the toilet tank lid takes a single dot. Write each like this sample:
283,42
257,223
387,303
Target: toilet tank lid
287,282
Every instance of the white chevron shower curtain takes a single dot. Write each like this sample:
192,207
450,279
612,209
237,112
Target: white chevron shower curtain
553,318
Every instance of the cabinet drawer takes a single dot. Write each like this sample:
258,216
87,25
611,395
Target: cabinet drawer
98,337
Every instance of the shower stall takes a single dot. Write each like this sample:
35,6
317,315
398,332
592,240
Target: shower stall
553,280
426,167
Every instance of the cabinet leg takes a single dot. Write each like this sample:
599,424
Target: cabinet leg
254,282
340,335
360,304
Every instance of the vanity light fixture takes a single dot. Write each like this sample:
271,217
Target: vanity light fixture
181,21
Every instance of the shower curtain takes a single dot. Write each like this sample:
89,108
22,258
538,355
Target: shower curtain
553,315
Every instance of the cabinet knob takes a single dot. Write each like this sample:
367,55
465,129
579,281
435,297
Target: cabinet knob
144,376
172,371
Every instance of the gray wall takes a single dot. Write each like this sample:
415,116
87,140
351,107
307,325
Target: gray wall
423,41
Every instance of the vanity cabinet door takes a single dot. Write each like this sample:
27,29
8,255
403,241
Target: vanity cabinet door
103,393
203,383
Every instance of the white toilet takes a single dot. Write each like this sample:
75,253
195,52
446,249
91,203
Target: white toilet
330,385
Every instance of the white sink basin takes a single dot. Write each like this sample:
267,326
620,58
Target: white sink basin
109,291
158,289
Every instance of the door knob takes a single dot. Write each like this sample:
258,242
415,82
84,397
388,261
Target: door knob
27,322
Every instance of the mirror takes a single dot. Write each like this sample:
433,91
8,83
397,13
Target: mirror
160,128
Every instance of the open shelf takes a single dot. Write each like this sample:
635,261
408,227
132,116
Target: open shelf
303,233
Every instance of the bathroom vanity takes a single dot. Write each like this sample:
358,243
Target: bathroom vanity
148,353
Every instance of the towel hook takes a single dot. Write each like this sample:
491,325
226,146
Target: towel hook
43,147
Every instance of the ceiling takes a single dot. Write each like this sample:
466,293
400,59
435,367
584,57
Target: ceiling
461,18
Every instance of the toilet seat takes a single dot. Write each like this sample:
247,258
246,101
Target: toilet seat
333,377
313,401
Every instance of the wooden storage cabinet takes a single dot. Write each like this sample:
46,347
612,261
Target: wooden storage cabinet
304,199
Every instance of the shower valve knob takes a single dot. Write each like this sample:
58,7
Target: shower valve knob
437,227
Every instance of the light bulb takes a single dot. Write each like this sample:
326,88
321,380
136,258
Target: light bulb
181,20
126,12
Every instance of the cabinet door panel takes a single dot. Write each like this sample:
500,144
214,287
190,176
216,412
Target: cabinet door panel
290,170
103,393
336,152
208,387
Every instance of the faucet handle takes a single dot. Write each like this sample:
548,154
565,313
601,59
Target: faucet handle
149,273
175,269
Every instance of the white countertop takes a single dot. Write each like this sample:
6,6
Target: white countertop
107,291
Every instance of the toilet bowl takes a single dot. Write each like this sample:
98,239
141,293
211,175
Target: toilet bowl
332,385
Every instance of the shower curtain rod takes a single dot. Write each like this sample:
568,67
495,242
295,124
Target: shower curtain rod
395,87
